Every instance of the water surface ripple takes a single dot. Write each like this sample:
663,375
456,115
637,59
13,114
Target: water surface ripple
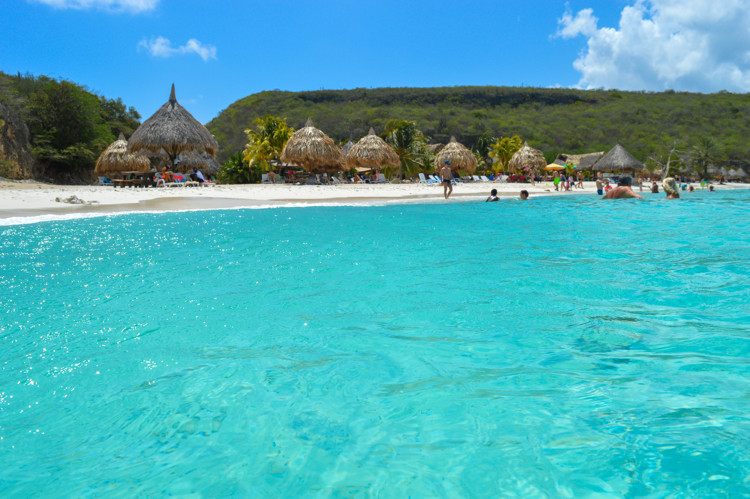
555,348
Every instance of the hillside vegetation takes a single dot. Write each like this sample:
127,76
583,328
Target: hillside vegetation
54,130
552,120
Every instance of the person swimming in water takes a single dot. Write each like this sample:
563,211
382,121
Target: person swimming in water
493,196
623,190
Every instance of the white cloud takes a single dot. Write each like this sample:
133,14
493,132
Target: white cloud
694,45
162,47
134,6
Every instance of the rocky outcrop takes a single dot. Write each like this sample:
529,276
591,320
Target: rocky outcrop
15,160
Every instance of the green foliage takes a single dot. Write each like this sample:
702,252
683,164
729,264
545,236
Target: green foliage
266,141
704,153
236,171
551,120
69,126
503,149
409,143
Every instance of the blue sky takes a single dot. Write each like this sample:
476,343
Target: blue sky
218,52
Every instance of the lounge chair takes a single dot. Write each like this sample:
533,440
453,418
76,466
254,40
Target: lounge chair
484,178
381,179
423,180
475,178
264,179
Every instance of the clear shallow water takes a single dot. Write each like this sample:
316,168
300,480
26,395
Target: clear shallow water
561,347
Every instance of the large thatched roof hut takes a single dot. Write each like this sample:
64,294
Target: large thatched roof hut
373,152
737,173
580,161
618,158
116,159
527,158
459,156
173,129
199,160
312,149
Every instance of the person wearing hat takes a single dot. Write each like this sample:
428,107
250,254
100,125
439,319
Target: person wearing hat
670,187
447,175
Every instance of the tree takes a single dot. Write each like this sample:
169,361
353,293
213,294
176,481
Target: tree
704,153
409,143
503,149
266,142
663,157
482,149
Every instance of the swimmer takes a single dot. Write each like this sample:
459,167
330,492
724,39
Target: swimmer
524,195
623,190
670,187
493,196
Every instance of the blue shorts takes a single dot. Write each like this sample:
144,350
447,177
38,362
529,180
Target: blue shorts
600,192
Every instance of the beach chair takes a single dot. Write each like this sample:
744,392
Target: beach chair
381,179
484,178
105,181
422,179
264,179
475,178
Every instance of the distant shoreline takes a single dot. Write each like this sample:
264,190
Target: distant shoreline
32,200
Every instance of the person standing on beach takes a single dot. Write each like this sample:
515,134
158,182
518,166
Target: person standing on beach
556,181
599,185
447,175
580,180
623,190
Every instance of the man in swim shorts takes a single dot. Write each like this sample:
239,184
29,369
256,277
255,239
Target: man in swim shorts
447,175
599,185
623,190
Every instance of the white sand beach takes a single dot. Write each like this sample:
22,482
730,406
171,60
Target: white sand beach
33,199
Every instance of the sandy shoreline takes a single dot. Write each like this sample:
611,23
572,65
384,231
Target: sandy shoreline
32,199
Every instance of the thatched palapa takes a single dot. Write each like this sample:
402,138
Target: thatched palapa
372,152
581,161
527,158
618,158
460,157
312,149
116,159
198,160
173,129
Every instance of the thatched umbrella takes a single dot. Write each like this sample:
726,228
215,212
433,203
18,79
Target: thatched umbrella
372,152
312,149
527,158
347,147
173,129
460,157
198,160
737,173
116,159
618,158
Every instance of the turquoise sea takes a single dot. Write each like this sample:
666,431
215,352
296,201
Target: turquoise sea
562,347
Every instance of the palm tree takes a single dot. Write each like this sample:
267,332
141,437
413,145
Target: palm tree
409,143
504,148
267,141
482,149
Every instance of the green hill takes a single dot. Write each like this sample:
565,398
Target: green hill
553,120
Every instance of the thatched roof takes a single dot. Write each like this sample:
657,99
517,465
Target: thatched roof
737,173
199,160
373,152
527,158
116,159
347,147
618,158
582,161
460,157
173,129
312,149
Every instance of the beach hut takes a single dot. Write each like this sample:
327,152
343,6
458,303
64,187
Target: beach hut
348,146
312,149
618,158
459,156
173,129
117,159
198,160
527,159
580,161
737,174
372,152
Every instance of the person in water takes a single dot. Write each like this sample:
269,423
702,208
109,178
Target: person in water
623,190
670,187
524,195
447,175
493,196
